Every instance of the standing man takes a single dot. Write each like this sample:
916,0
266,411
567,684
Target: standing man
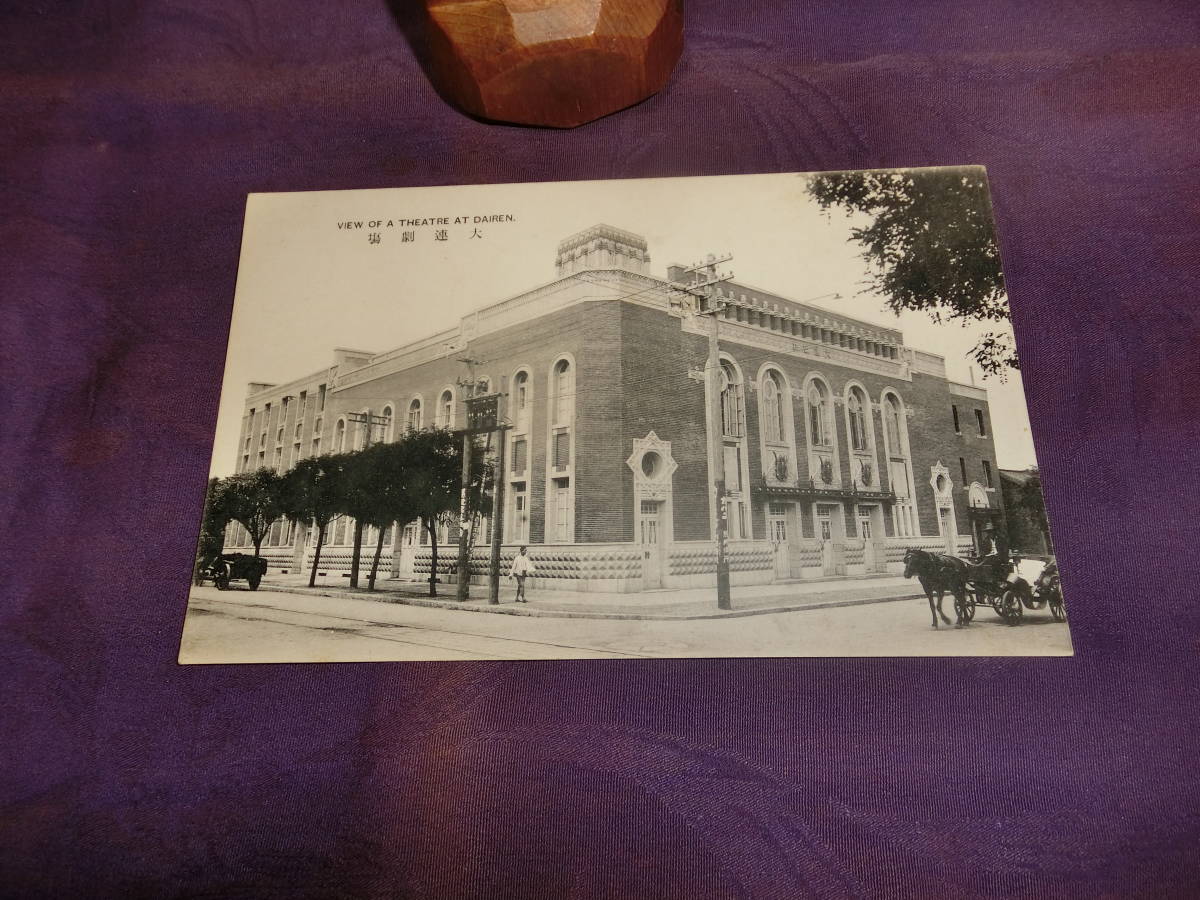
522,568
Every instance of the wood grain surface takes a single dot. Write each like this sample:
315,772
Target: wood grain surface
557,63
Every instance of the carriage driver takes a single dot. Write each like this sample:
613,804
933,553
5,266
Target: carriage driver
995,552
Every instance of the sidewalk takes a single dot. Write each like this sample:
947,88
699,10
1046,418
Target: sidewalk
688,603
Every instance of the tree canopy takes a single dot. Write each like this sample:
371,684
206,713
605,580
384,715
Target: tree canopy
930,246
255,499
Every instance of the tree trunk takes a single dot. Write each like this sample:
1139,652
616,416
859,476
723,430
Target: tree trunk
258,538
356,556
312,577
375,561
431,526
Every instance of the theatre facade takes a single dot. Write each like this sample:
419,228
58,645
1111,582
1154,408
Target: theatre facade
842,446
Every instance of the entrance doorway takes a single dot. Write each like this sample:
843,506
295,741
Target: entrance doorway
650,537
408,548
777,534
827,534
866,531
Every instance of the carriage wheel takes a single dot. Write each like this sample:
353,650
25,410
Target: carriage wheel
996,600
254,580
1010,606
1058,610
965,608
221,578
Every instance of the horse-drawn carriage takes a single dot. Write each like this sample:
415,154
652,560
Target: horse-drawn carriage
1025,582
227,566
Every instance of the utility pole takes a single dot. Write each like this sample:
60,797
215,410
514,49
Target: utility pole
705,303
464,522
497,506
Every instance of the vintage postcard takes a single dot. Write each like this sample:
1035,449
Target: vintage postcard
769,415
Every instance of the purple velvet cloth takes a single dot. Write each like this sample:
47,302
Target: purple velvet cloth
130,133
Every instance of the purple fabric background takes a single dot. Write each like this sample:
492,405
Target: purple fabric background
130,133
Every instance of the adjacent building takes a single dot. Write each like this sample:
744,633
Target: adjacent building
842,445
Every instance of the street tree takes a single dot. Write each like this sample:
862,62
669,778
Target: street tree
391,468
212,527
360,499
255,499
930,245
312,493
435,481
1029,499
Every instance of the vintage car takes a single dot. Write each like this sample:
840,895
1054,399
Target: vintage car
228,566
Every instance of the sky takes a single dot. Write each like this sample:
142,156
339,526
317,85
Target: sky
310,278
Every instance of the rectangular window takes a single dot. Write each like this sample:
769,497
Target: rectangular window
520,455
962,467
979,421
562,450
321,398
316,451
296,452
987,473
954,412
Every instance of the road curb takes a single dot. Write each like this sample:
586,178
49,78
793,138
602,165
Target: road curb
511,609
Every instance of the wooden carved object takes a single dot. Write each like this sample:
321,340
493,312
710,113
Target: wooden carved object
557,63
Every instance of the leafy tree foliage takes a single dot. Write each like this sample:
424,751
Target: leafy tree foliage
1030,500
312,493
255,499
930,246
435,482
212,526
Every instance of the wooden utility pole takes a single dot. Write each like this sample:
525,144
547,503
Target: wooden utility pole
705,303
464,521
497,507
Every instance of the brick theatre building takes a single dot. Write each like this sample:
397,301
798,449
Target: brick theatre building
842,446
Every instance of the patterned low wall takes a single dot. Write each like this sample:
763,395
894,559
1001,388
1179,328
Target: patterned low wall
807,553
854,552
896,547
604,567
336,560
700,557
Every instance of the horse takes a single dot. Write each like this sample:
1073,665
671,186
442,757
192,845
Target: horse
938,573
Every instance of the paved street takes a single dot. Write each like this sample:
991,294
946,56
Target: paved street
278,626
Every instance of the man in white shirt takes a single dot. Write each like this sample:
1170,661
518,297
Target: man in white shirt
522,568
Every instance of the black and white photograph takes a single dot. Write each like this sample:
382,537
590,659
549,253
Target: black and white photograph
727,416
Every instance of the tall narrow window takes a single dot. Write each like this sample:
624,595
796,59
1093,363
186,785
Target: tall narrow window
564,392
954,412
520,455
962,467
520,399
386,425
892,415
818,415
979,422
857,420
731,402
321,398
414,415
446,409
339,436
987,473
772,405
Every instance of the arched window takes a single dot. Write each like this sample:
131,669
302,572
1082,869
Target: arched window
414,415
521,400
893,418
772,406
445,412
388,415
856,416
339,436
732,405
564,392
818,415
